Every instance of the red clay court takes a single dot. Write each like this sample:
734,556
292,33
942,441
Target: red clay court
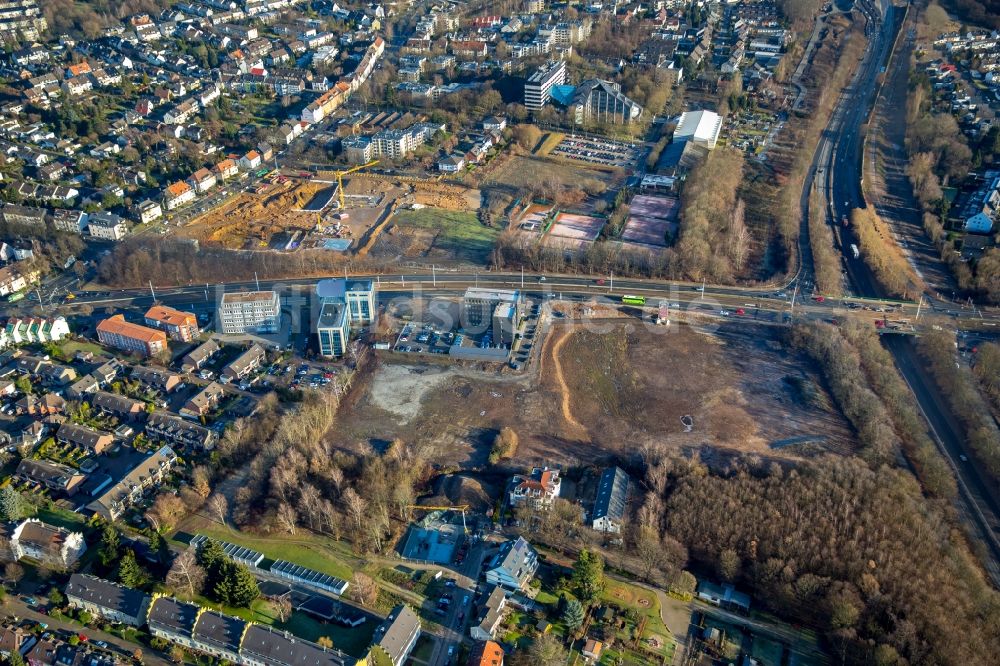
651,219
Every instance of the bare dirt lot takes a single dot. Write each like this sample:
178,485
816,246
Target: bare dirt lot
609,393
252,220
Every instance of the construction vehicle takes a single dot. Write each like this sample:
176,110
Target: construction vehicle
462,508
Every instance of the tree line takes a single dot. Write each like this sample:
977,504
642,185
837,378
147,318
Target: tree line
876,400
714,241
958,387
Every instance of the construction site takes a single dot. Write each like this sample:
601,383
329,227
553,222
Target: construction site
342,211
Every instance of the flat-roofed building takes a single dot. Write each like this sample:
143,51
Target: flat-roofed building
333,328
496,310
178,325
120,334
357,293
699,127
537,89
250,312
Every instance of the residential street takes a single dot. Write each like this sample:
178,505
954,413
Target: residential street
13,606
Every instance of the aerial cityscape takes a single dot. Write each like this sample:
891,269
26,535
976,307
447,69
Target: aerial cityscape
525,332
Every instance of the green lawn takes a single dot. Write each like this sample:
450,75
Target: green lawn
458,232
71,347
307,550
353,641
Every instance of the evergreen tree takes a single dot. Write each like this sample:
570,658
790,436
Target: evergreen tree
110,545
129,572
235,585
12,504
588,576
572,617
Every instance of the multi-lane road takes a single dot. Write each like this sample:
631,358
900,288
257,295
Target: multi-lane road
840,169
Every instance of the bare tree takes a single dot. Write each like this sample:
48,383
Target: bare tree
286,517
364,589
356,506
283,607
186,577
219,507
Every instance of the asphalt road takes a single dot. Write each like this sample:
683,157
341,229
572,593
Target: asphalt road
13,606
980,497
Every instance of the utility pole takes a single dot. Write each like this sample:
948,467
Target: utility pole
703,289
919,304
522,277
794,294
206,292
434,279
256,280
611,286
151,292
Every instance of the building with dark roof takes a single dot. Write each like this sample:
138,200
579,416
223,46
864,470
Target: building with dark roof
198,356
57,478
84,437
172,620
116,405
490,615
179,433
219,635
611,502
263,646
513,566
134,485
245,363
397,635
107,600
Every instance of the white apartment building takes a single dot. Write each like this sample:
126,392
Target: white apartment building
250,312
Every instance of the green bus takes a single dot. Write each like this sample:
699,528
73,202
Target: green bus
633,300
13,298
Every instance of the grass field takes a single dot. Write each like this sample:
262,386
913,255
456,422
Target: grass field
354,641
456,232
549,143
308,550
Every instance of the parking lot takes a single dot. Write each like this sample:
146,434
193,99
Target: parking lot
600,151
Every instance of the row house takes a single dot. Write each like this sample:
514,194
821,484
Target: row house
141,479
179,433
182,112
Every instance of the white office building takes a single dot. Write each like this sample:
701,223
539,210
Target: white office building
250,312
537,89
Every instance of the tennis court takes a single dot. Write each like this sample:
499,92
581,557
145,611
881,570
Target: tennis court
577,227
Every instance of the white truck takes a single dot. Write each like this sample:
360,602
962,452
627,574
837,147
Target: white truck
855,251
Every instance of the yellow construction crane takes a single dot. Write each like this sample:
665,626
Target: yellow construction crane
340,179
461,508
